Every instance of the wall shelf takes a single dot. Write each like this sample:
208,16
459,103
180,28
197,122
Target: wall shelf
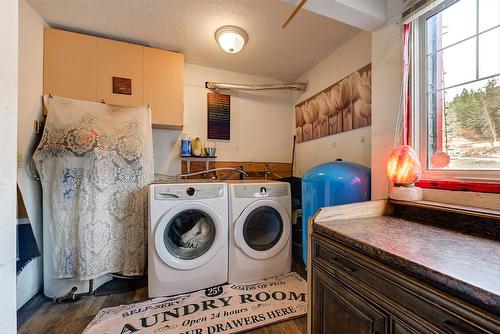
192,158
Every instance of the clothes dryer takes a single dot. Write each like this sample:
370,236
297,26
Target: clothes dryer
259,230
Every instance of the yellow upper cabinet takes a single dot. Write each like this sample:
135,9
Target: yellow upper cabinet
164,86
82,67
70,65
120,60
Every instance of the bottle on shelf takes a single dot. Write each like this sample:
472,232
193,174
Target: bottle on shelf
185,146
197,147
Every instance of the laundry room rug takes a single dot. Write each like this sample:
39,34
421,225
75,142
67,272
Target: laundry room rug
229,308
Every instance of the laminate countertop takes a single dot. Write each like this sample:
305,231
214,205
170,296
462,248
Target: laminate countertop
465,265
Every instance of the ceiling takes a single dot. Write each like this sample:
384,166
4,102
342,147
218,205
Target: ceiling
188,26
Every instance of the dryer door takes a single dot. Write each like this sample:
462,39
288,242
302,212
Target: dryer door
189,235
262,229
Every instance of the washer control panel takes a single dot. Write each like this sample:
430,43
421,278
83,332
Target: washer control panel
165,192
260,190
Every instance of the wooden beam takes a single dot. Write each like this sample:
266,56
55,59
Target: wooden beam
295,11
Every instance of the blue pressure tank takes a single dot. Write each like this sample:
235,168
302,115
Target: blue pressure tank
332,183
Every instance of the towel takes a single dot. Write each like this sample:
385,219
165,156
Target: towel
26,246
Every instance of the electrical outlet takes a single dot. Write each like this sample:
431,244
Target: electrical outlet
37,126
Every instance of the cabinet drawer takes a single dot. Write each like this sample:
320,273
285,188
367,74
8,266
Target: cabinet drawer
399,293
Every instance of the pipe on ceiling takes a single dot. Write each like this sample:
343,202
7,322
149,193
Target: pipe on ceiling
228,86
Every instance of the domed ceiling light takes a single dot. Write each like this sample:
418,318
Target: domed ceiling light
231,38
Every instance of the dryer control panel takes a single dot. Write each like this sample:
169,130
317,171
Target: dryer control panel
188,191
260,190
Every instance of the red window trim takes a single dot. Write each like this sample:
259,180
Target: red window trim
481,187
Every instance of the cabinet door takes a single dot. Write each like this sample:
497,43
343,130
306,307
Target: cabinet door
122,60
69,65
164,86
399,327
337,309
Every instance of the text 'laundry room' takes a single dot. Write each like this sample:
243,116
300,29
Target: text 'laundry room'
249,166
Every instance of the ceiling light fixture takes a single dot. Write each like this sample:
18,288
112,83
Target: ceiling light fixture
231,38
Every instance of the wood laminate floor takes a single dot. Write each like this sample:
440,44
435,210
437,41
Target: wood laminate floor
41,316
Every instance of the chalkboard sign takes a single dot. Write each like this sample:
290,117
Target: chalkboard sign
219,110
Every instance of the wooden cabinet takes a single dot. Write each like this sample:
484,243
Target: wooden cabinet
402,328
82,67
352,293
340,310
123,60
70,65
164,86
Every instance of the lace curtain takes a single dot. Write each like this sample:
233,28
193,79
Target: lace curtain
95,161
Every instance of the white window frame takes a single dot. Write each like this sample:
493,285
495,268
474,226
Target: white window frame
419,125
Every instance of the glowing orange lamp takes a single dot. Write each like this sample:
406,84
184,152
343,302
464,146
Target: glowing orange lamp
404,169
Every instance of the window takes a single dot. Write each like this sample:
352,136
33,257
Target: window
457,90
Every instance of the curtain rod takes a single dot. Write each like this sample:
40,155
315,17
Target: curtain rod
102,100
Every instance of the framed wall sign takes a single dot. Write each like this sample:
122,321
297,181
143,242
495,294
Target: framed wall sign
122,86
219,112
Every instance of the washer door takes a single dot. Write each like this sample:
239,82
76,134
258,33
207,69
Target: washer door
189,235
262,229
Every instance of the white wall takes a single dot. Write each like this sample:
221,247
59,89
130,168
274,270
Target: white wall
351,145
260,121
387,72
8,130
31,26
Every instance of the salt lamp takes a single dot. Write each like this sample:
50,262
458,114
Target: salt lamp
403,170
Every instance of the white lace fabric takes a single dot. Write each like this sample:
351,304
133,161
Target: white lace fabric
95,162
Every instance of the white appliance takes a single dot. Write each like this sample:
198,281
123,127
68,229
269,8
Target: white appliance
187,237
259,230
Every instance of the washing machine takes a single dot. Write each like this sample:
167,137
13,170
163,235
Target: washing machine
259,230
187,237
